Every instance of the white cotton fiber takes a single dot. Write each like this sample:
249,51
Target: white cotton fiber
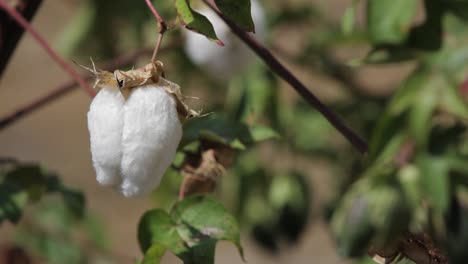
133,141
151,134
223,62
105,123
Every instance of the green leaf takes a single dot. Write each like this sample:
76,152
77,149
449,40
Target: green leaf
218,128
435,180
349,18
28,182
215,127
290,197
157,226
238,11
74,201
353,226
12,202
154,254
409,92
209,218
389,22
453,102
410,180
421,114
195,21
261,133
191,230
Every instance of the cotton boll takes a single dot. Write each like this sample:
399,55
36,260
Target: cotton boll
223,62
105,123
150,138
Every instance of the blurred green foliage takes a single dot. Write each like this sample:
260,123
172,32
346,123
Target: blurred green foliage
56,230
413,180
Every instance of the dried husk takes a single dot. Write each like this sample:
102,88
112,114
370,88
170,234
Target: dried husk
152,73
202,170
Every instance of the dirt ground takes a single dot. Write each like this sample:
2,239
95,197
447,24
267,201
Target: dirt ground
57,136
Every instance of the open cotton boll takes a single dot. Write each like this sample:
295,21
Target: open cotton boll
151,134
223,62
105,123
135,126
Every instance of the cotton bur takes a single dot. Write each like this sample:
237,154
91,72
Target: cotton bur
135,125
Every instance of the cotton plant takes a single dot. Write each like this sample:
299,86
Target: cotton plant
135,120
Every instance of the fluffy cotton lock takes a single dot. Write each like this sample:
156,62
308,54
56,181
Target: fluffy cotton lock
105,124
134,136
151,134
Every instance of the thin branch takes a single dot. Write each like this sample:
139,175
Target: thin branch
25,24
11,32
155,13
65,88
162,28
284,73
323,61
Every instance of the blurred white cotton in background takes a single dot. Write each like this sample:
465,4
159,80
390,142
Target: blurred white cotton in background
224,62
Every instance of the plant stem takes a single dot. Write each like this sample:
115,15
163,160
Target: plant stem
284,73
11,32
162,28
25,24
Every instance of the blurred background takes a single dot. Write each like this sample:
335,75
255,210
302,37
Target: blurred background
282,189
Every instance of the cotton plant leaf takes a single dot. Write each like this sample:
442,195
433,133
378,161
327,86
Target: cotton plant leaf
389,22
238,11
154,254
195,21
208,217
157,227
220,129
191,230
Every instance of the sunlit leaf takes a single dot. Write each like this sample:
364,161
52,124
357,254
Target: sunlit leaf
209,218
435,180
421,113
190,231
261,133
349,18
157,226
453,102
390,21
154,254
195,21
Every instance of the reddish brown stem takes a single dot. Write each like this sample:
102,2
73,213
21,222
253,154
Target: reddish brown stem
155,12
162,28
11,32
300,88
25,24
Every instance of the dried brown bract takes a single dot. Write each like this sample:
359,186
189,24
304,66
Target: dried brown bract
203,170
151,73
